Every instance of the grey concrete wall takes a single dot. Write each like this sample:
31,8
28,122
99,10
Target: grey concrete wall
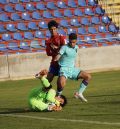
26,65
99,59
90,59
4,74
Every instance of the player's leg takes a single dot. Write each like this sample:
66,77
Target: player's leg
53,71
61,82
86,78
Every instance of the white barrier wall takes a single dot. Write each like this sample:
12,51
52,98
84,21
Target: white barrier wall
99,58
4,74
26,65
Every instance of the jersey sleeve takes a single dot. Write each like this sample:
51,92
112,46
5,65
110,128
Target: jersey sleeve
63,40
48,50
51,97
62,50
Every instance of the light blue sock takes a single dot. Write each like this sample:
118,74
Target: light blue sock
83,86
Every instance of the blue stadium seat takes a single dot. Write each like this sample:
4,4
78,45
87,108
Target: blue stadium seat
18,36
51,5
9,8
82,31
4,17
82,3
43,25
47,14
61,31
15,17
43,43
22,26
110,38
57,14
14,1
100,39
85,21
24,45
20,7
92,2
88,11
26,16
79,41
118,37
106,19
30,7
2,28
39,34
61,4
70,30
112,28
95,20
92,30
35,44
68,13
4,1
102,29
99,11
6,37
36,15
75,22
48,34
24,0
36,0
78,12
28,35
32,26
13,46
1,10
64,23
11,27
3,47
72,4
40,6
89,40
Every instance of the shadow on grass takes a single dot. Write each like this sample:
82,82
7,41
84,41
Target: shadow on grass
14,110
103,95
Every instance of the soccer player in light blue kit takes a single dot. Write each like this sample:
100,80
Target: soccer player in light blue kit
66,59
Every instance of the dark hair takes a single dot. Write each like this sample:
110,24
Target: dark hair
65,100
72,36
52,23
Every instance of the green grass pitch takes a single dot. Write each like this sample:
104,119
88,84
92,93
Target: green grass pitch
101,112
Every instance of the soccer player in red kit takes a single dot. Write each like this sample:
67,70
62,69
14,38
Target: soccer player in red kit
53,45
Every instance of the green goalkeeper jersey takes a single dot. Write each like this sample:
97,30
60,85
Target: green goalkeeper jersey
40,99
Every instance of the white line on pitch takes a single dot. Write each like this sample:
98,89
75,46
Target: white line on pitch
60,119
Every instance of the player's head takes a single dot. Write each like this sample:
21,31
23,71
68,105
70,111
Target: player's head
53,26
72,39
62,99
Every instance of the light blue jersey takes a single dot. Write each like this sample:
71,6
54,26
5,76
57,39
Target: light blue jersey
68,55
67,62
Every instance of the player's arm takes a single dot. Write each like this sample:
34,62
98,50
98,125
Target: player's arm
51,97
57,57
61,52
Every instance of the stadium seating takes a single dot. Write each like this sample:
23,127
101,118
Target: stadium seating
9,8
15,17
13,46
23,23
36,15
11,27
22,26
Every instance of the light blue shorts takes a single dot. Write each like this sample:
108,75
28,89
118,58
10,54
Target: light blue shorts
68,72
